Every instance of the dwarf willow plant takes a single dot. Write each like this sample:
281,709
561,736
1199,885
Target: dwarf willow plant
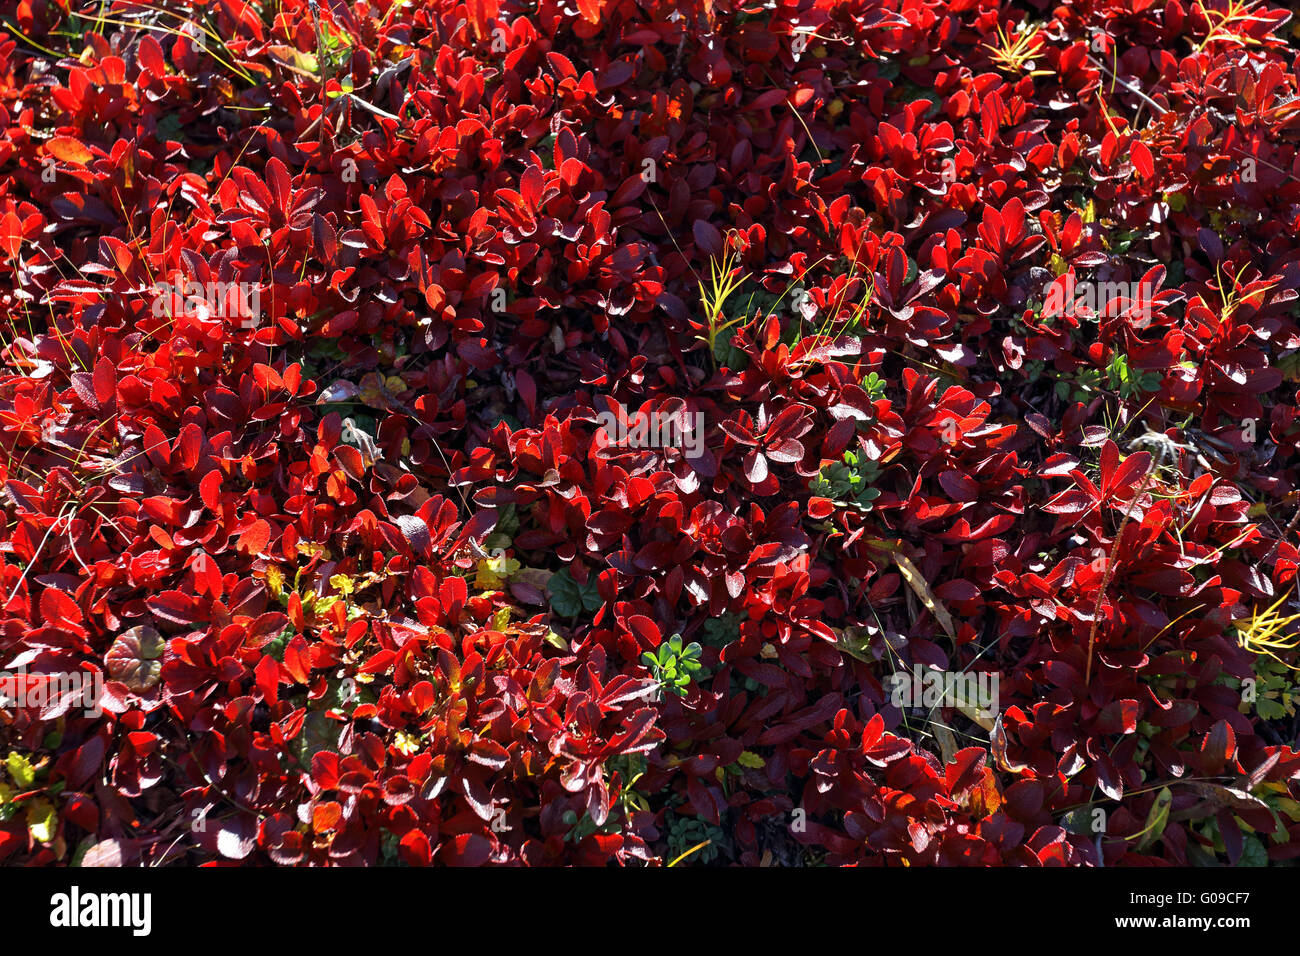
848,482
1130,383
673,665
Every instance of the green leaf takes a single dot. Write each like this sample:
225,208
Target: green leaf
1157,819
1269,709
1253,852
318,733
1078,821
276,646
569,598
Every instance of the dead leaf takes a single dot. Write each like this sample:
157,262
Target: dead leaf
946,741
918,584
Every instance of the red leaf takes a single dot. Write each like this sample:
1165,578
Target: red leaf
1219,746
59,610
820,508
210,490
707,238
415,848
466,849
326,816
1141,156
416,532
105,380
237,837
267,677
1118,717
11,235
174,607
111,853
134,658
254,539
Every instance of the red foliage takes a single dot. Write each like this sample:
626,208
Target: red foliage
310,325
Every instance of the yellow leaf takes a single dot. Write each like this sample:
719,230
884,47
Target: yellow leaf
492,573
69,150
984,799
1157,818
275,581
20,770
752,760
697,847
917,583
41,820
973,711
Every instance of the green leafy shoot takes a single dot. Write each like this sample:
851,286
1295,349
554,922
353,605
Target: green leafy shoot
1129,383
849,482
673,665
